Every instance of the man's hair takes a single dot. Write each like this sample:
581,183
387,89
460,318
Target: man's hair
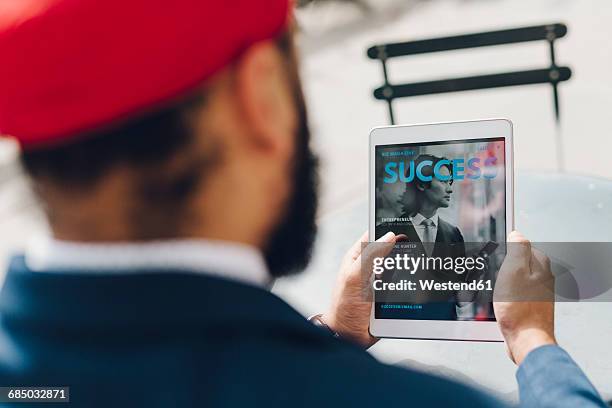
428,171
412,199
147,141
148,146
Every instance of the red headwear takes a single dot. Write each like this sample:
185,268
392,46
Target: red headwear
73,66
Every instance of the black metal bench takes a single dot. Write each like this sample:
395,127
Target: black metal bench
553,74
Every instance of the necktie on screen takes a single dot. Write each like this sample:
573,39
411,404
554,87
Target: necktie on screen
428,234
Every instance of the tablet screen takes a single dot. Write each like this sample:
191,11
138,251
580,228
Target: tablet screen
447,200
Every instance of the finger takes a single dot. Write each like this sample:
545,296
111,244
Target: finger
378,249
541,271
363,267
519,249
543,262
401,238
388,237
516,236
359,265
357,247
514,273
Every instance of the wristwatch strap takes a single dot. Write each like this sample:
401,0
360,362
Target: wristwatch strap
318,321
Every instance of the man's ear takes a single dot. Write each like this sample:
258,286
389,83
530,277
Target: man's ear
420,186
265,97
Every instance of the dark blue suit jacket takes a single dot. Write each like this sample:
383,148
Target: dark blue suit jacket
185,340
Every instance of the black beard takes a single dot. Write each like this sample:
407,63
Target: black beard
290,248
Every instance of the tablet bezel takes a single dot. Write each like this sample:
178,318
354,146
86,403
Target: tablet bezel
441,132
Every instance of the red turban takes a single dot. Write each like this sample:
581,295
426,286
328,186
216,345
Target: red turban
73,66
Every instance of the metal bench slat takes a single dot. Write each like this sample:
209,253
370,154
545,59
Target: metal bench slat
500,37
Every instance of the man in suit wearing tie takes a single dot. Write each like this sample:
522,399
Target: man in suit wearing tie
423,199
169,147
435,236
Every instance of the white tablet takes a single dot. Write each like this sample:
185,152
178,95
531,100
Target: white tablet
447,190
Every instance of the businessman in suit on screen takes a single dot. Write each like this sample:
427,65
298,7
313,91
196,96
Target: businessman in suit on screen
420,221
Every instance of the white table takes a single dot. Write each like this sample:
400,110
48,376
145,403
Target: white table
549,207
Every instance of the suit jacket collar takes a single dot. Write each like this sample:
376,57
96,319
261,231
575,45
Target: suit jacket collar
156,303
418,218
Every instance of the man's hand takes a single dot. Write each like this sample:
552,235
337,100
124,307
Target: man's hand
524,299
351,307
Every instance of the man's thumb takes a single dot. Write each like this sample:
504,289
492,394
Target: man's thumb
519,247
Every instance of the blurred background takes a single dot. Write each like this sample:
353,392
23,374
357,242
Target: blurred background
551,205
339,81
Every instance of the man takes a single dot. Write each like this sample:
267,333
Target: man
146,127
431,196
435,237
423,199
